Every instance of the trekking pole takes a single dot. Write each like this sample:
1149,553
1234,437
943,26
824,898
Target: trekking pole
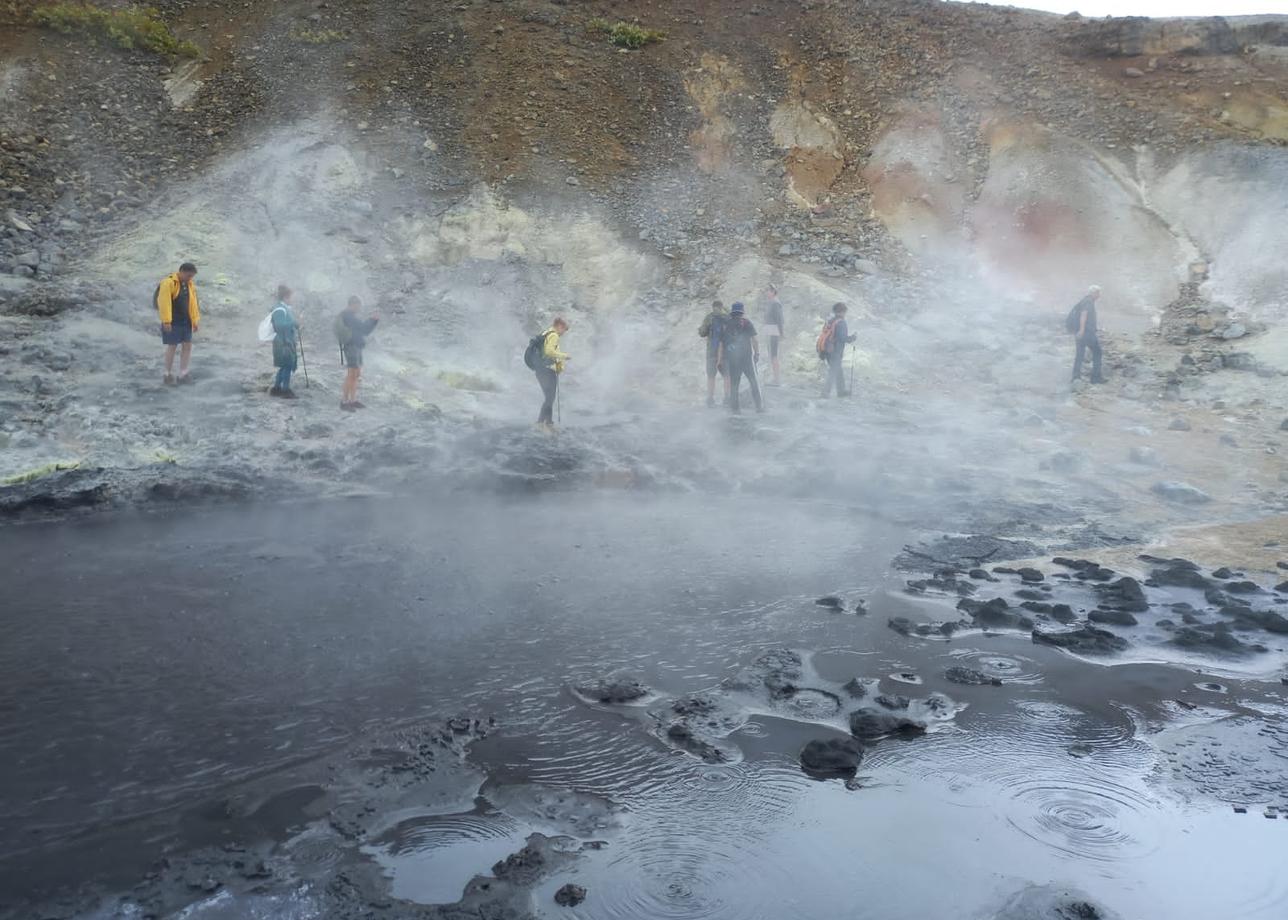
299,343
850,395
558,402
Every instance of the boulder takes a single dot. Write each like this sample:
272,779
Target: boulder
866,723
570,895
1085,640
1178,424
1114,617
1123,594
1215,638
831,601
832,757
613,690
971,677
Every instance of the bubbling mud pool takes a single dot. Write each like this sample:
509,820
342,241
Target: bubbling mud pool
630,694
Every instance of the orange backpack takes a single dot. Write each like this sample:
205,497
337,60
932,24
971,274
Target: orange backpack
825,337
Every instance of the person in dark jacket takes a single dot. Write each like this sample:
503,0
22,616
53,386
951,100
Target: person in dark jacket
738,353
285,344
351,331
1086,337
773,329
712,329
834,353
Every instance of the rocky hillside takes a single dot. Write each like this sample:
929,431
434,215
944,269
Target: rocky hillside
473,167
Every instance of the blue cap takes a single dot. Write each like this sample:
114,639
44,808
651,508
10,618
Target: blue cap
737,307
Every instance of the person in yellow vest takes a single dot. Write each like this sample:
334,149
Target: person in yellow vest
176,303
548,369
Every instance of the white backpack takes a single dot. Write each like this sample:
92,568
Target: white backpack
266,331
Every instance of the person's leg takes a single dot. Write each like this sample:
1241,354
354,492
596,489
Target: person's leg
711,379
277,380
549,383
773,360
755,386
725,375
1077,358
353,387
833,381
735,383
169,361
1094,345
185,355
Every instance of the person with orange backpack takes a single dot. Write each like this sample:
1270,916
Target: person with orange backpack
831,348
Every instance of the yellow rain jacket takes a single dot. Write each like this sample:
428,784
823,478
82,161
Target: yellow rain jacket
168,290
554,357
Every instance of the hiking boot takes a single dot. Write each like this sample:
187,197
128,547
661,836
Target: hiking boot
275,391
168,380
288,394
358,405
184,379
1099,380
348,407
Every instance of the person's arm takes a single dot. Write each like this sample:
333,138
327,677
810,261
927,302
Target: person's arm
551,349
165,303
370,325
1082,323
755,347
194,310
705,329
720,355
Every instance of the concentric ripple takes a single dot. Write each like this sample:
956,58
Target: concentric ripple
431,859
1087,817
1011,670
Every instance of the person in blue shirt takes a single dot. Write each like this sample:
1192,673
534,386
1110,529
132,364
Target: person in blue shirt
712,329
285,344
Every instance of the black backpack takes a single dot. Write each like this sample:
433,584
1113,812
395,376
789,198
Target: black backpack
1075,315
532,355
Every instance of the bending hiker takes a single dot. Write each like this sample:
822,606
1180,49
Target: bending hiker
831,348
351,331
548,363
773,330
285,344
712,329
176,303
1082,323
739,351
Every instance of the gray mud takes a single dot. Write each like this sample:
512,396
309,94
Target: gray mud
343,709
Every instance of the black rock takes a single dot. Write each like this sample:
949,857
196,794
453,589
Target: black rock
683,736
1282,587
1115,617
855,688
971,677
831,601
1243,587
1214,637
570,895
1181,574
1123,594
1261,619
613,690
1030,574
996,613
832,757
1062,613
1223,573
865,723
1086,640
981,575
892,701
1030,594
902,625
1036,607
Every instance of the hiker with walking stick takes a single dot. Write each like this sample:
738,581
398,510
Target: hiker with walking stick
547,362
831,348
286,343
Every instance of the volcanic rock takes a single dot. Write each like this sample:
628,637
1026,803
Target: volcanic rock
832,757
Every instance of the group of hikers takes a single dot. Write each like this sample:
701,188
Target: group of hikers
176,303
733,349
732,344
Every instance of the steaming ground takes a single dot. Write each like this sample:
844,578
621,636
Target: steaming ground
269,659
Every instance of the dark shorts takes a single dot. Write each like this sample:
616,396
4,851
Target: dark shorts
178,335
352,357
773,346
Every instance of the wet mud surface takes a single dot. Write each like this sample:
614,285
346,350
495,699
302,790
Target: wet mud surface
350,710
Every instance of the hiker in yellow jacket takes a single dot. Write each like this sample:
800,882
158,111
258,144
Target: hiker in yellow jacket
549,368
176,303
